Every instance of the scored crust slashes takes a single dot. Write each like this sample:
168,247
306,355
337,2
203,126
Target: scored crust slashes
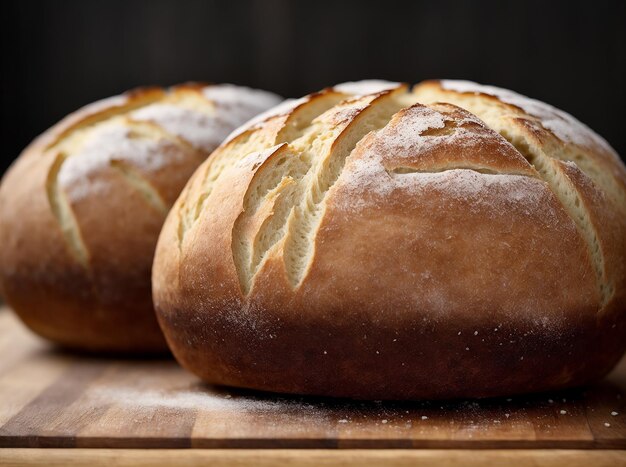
292,181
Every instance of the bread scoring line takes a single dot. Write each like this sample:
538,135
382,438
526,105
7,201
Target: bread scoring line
316,162
577,211
60,205
221,160
554,122
64,214
281,187
246,257
580,217
304,222
136,180
516,128
405,170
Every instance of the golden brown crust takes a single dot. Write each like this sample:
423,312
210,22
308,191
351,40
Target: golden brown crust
395,250
81,209
579,163
567,138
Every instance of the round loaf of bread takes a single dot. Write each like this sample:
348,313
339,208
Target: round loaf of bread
450,240
82,207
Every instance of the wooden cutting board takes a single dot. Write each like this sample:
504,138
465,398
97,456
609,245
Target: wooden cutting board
50,398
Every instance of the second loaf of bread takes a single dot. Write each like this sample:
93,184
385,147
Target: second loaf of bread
81,209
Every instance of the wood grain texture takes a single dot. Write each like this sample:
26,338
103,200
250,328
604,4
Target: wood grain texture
53,399
316,457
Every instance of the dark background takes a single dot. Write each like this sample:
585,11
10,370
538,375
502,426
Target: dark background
60,55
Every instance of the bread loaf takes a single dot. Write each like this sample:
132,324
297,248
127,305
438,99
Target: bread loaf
453,240
81,209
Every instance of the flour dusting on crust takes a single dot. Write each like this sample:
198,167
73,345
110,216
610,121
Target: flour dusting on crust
366,86
563,125
283,108
202,119
108,143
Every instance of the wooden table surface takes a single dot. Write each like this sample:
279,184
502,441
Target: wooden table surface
54,399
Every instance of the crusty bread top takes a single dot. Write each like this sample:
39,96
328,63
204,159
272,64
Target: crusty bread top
201,114
152,137
279,176
567,154
562,135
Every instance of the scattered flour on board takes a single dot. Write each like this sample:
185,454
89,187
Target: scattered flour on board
470,414
131,397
